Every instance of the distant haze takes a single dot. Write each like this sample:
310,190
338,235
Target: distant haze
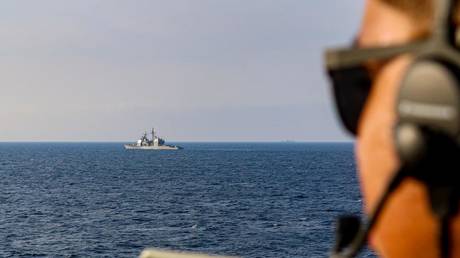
198,70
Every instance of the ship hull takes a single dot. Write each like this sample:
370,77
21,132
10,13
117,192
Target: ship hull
162,147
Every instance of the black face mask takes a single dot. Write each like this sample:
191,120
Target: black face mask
351,80
427,134
351,89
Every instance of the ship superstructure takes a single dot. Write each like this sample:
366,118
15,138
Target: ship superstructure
155,143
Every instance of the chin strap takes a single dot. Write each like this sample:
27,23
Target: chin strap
445,236
444,204
439,171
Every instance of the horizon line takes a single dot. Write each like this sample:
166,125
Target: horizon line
174,141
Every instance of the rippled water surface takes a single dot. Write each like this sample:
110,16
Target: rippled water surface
245,199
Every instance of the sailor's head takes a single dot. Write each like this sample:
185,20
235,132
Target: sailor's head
407,227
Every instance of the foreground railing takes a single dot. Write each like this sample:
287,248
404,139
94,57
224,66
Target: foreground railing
155,253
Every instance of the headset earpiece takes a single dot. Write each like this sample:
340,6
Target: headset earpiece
430,96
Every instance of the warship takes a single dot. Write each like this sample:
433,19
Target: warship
156,143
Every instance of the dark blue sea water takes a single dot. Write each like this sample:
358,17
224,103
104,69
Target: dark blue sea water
245,199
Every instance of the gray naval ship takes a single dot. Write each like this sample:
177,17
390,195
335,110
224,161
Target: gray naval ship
156,143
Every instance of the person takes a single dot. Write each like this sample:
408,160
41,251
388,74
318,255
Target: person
407,226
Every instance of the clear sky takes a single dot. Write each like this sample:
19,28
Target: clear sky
198,70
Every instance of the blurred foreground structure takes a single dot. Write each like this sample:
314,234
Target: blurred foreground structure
155,253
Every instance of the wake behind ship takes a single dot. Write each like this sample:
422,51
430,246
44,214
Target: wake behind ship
156,143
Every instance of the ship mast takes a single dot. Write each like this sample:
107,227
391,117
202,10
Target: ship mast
153,134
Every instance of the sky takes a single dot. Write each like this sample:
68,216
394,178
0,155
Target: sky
197,70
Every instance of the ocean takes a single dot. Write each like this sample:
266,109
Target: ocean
244,199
